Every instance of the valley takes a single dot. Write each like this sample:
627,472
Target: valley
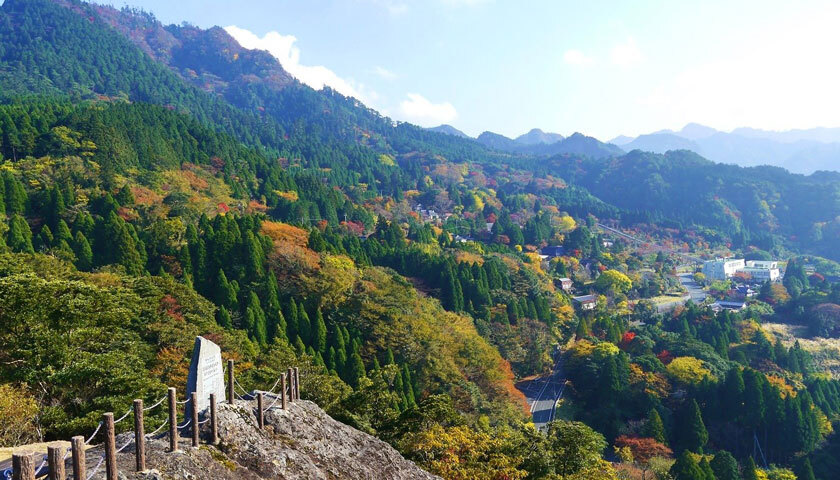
541,307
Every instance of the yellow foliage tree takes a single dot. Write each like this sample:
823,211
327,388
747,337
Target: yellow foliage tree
460,453
17,416
688,370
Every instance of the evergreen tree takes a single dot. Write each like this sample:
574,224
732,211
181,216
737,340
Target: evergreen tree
355,369
19,236
225,292
304,325
291,314
725,466
805,471
750,470
708,474
84,255
255,322
319,332
654,427
692,431
686,468
223,318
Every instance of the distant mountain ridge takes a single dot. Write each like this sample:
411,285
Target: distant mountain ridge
800,151
540,143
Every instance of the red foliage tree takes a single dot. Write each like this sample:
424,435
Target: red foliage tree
643,448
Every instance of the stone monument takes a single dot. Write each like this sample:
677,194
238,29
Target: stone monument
206,375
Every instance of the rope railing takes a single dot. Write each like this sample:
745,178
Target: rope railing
96,468
146,409
92,435
289,391
157,430
124,416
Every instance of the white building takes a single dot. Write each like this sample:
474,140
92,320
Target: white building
722,268
762,270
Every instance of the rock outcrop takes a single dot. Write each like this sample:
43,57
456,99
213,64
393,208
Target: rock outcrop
301,442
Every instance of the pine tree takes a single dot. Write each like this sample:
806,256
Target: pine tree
45,239
708,474
304,325
15,195
732,394
389,356
55,208
686,468
805,471
724,466
256,324
223,318
654,427
692,430
408,387
84,255
291,314
355,369
62,232
225,293
319,332
19,236
750,470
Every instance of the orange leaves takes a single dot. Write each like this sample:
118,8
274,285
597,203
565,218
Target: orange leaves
284,233
643,448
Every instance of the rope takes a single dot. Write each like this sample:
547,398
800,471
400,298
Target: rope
96,468
146,409
185,401
127,444
236,382
41,466
158,429
185,425
271,390
124,416
204,421
94,433
276,397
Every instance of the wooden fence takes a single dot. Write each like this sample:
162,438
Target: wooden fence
53,466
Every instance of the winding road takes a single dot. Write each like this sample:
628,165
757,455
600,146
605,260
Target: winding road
542,394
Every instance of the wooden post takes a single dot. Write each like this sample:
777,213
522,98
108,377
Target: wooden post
139,437
110,447
55,459
297,383
260,419
214,426
230,382
291,374
283,391
77,444
173,420
23,468
194,410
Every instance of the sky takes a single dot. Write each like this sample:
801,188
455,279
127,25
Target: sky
601,68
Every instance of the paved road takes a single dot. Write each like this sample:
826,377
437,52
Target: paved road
542,394
695,293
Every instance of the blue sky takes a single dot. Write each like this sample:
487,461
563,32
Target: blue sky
601,68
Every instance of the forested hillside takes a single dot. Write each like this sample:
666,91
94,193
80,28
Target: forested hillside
160,182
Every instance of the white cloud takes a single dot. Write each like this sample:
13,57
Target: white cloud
283,48
771,81
420,110
576,57
384,73
626,53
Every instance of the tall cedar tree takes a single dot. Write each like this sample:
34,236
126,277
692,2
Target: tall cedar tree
686,468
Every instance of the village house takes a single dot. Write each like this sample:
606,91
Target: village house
564,284
586,302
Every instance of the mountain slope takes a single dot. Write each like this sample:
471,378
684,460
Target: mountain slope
576,144
537,137
449,130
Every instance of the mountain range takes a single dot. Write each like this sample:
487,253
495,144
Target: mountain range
799,151
539,143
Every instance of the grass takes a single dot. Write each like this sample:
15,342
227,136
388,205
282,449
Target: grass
825,351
